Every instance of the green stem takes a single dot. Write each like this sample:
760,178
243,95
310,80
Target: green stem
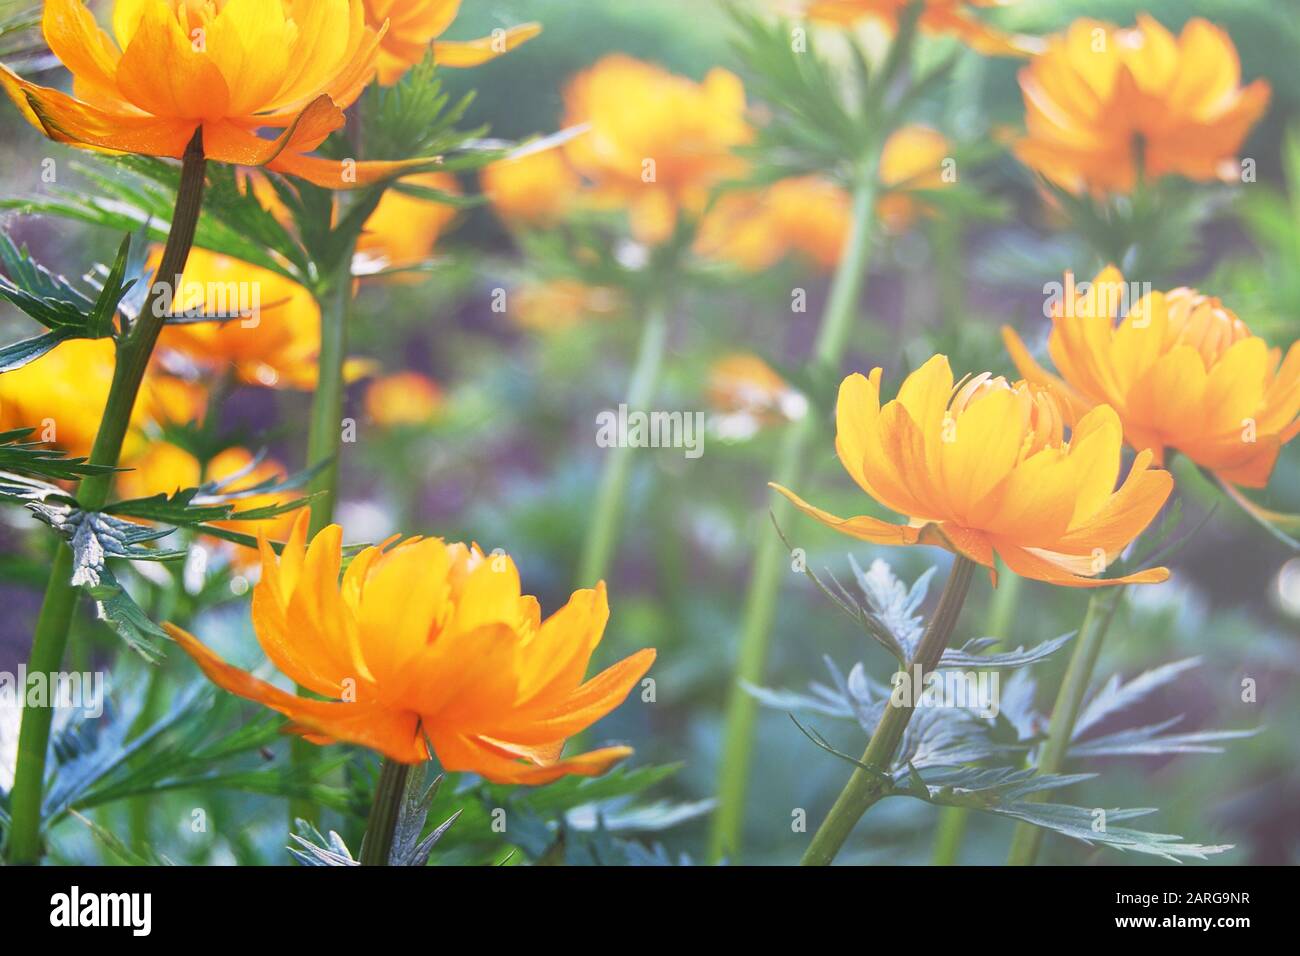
1026,840
598,547
324,442
50,640
377,846
769,561
951,830
869,782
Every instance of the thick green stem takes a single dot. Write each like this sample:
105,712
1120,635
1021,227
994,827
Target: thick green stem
770,558
951,831
134,351
1026,840
869,782
602,532
377,846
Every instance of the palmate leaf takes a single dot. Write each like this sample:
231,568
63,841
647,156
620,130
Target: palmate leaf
218,500
310,848
1116,695
1001,791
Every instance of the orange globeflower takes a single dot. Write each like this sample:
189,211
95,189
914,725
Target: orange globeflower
413,24
912,159
657,143
535,189
956,17
562,304
228,68
807,216
406,398
403,229
1180,369
1104,106
275,340
985,468
62,395
429,638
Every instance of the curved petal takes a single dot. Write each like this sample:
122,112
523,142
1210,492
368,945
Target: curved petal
863,527
1037,568
473,52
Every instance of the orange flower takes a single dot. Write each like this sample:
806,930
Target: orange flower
657,142
413,24
1103,105
403,229
429,638
228,68
275,343
984,468
562,304
1180,369
62,395
806,216
536,189
406,398
939,16
912,159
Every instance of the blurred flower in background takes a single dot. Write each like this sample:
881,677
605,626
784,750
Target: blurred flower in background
562,304
803,216
658,142
62,396
536,189
402,231
747,394
956,17
912,159
985,469
425,639
1105,107
1180,369
404,398
414,25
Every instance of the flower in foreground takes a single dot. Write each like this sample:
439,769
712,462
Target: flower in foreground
229,69
956,17
657,142
1182,371
912,159
984,469
414,24
1105,105
404,398
62,396
425,638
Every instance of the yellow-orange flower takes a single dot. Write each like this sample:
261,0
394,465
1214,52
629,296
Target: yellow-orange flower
806,216
562,304
749,394
912,159
413,24
535,189
403,229
984,468
657,143
429,638
1180,369
1104,104
228,67
274,342
62,395
956,17
405,398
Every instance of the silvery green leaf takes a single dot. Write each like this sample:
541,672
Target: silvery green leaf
1116,695
798,703
654,855
312,849
117,608
892,608
643,818
947,737
969,654
1001,791
1152,741
408,849
1017,706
